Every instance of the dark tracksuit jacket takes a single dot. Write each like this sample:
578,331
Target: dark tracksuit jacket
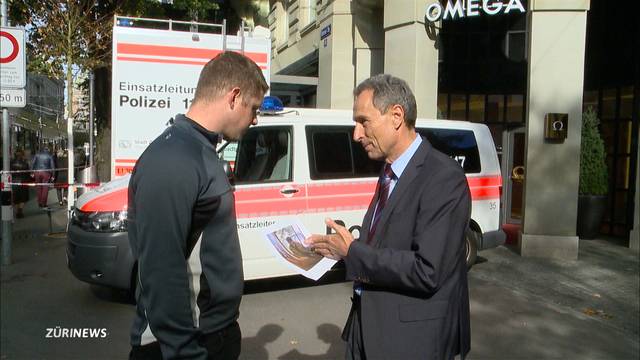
182,230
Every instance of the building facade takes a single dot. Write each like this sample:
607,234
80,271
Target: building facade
41,120
473,62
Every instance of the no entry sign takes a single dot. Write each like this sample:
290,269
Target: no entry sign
12,58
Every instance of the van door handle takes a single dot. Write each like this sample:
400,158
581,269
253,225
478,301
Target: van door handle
289,191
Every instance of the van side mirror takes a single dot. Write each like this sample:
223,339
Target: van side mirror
227,169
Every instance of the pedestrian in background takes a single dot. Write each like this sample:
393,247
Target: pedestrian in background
410,297
42,166
62,162
22,175
182,224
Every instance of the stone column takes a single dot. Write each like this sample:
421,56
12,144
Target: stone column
556,50
336,69
410,53
369,40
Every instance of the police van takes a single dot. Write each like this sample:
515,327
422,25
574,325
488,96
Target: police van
298,163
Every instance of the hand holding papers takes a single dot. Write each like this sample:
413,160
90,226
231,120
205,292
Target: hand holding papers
334,246
286,240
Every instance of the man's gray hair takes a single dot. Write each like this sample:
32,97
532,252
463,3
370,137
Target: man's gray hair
389,90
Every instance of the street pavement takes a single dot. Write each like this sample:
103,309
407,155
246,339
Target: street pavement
521,308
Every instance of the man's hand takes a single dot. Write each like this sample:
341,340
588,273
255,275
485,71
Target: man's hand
332,246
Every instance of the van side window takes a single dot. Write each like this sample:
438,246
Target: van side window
264,155
332,154
460,145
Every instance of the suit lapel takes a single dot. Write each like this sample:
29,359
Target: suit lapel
402,185
366,222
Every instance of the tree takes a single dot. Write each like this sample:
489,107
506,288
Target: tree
196,9
67,37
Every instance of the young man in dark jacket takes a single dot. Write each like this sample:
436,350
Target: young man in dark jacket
182,224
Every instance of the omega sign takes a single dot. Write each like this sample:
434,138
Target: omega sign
469,8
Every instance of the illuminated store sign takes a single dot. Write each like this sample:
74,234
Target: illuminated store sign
469,8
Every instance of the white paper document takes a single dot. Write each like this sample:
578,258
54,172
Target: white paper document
286,239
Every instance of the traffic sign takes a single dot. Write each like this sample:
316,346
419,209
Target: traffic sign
12,58
15,98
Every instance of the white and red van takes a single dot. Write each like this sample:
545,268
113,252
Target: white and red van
298,163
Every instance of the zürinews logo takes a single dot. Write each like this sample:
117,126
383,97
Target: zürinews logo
75,333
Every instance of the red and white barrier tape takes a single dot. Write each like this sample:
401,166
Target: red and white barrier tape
60,185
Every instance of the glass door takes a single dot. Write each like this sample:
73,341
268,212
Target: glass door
513,173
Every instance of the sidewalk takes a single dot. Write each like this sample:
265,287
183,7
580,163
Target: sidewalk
529,308
36,225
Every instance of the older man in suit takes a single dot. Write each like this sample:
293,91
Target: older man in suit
411,296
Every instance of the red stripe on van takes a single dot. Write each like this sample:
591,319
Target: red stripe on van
113,201
180,52
161,61
340,202
331,189
313,198
485,187
267,193
168,61
484,181
282,206
485,193
334,197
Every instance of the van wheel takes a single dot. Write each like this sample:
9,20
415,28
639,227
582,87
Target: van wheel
471,247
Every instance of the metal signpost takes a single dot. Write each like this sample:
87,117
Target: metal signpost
12,94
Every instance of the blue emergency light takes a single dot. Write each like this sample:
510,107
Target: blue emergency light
124,22
271,105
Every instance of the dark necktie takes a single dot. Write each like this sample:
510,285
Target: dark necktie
383,186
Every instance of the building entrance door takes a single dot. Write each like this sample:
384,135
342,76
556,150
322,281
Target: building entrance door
513,173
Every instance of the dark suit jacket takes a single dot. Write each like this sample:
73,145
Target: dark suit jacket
415,302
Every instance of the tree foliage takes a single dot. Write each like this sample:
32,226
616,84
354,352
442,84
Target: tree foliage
593,166
65,32
196,9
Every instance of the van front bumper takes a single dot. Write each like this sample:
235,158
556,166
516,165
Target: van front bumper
100,258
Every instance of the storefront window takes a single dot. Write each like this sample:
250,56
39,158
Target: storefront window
496,133
495,108
626,102
608,135
514,45
622,178
442,106
458,107
590,100
624,137
608,104
476,108
621,207
515,108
